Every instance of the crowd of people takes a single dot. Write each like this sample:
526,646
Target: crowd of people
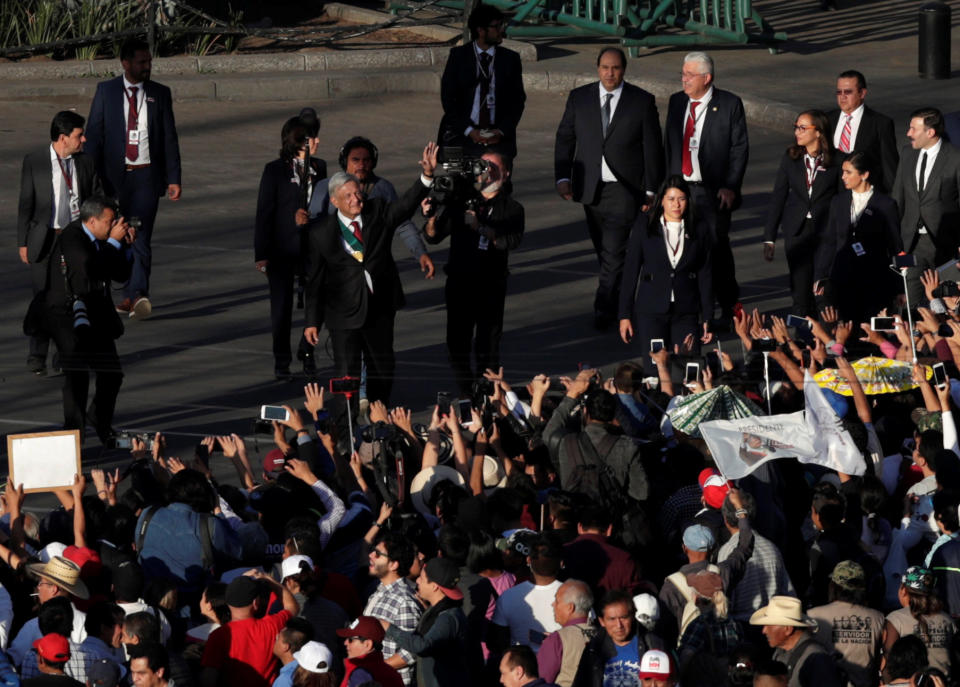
559,531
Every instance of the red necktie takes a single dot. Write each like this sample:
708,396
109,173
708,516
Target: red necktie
133,149
845,135
687,167
355,226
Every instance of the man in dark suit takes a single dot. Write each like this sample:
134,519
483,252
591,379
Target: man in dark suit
609,156
927,192
54,182
352,282
79,315
482,90
857,128
132,138
706,142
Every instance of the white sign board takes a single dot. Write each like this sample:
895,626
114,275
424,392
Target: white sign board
45,461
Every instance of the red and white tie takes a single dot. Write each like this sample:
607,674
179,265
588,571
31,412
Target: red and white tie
845,135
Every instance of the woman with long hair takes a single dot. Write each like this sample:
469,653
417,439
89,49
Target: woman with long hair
921,615
667,290
861,238
806,182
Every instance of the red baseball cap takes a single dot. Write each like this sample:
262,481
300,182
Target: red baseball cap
366,627
87,559
274,461
53,647
714,487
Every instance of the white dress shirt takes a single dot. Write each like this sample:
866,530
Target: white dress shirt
673,238
699,118
144,157
475,110
859,203
854,127
606,174
932,153
60,211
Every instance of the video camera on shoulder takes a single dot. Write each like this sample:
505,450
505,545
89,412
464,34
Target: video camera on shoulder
456,179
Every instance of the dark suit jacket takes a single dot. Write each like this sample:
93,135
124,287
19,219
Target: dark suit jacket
879,228
458,86
648,277
938,206
877,137
89,273
790,203
107,135
951,128
723,146
36,198
336,291
276,235
633,146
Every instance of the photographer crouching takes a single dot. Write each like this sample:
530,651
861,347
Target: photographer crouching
471,203
79,315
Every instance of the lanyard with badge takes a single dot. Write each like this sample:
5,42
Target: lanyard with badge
133,133
486,75
74,199
694,140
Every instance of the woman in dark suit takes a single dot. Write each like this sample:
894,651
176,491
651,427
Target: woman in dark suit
667,290
808,179
863,234
286,187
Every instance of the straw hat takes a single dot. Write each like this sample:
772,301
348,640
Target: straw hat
494,475
783,610
63,573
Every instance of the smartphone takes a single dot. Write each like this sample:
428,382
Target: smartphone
764,345
123,441
904,260
945,330
805,358
556,384
692,373
465,411
798,322
883,324
940,376
278,413
344,385
656,345
443,403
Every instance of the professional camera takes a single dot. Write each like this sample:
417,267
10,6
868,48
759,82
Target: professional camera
124,439
455,179
381,431
947,289
80,320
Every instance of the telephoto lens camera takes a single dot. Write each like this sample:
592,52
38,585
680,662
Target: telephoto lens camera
456,179
81,323
134,222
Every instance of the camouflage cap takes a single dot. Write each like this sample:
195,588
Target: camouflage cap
925,419
849,575
919,579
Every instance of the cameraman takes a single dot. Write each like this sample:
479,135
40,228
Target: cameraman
483,222
599,441
79,313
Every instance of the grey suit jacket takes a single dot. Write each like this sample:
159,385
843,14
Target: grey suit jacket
36,198
938,207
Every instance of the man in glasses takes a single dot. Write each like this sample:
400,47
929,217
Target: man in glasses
482,90
393,600
857,128
364,663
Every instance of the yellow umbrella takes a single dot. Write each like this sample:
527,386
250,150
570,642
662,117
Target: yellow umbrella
877,376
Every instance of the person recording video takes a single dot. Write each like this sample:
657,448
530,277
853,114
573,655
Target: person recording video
483,222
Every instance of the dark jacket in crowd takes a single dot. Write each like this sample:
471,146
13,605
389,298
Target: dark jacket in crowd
440,645
601,649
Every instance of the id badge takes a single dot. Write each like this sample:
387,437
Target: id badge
694,143
483,243
491,100
74,207
133,136
858,249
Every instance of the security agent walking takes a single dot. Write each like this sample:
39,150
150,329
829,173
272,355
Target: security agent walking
287,185
352,281
132,138
91,252
609,156
482,230
54,182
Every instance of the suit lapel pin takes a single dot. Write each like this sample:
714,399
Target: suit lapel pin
714,108
150,99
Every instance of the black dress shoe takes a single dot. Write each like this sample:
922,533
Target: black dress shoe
37,366
283,374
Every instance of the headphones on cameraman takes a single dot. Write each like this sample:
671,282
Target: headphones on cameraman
358,142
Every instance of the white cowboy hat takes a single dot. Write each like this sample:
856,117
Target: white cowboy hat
423,483
494,475
783,610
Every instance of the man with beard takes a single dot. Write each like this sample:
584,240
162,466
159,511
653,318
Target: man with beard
482,227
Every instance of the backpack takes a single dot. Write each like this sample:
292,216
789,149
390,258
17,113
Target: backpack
690,611
593,477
